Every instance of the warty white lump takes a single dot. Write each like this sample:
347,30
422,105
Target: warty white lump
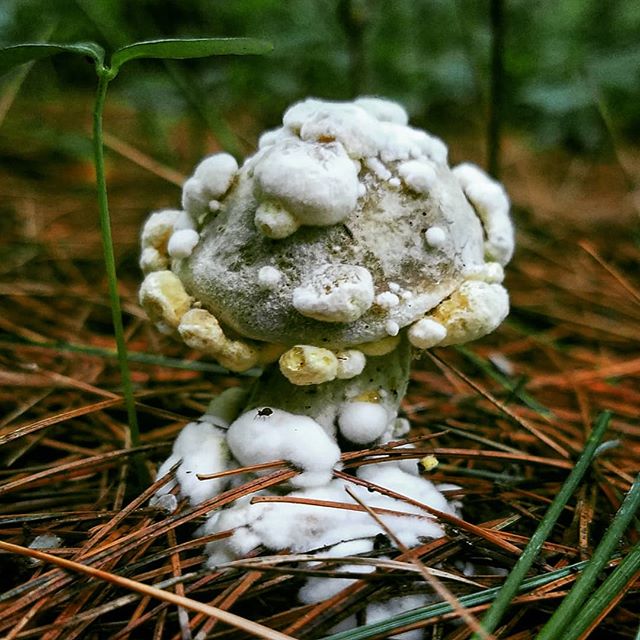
200,330
491,272
375,166
418,176
211,179
491,203
158,228
350,363
473,311
367,128
335,293
269,277
362,422
182,243
305,365
426,333
155,236
266,434
317,184
164,299
387,300
392,327
384,110
201,449
274,221
436,237
183,221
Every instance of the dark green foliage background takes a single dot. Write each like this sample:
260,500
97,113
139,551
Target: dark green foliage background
565,61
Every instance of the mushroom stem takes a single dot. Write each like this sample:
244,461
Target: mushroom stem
383,382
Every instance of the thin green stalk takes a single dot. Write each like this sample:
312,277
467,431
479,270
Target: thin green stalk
104,76
531,551
609,590
571,605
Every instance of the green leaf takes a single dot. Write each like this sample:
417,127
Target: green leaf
182,48
19,54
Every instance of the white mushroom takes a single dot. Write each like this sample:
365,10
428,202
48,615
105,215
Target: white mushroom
344,243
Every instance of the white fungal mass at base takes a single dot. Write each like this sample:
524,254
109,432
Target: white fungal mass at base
344,243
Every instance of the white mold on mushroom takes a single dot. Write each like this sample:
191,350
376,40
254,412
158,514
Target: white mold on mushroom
491,203
317,197
342,244
211,180
335,293
266,434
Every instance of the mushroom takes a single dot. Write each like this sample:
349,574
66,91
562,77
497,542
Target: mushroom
341,247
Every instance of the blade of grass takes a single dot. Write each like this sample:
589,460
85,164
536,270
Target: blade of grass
606,596
572,604
253,628
503,380
531,551
19,54
434,610
434,583
132,356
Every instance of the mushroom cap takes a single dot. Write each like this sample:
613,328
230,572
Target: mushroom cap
385,235
346,226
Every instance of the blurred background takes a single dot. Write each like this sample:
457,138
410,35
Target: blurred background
568,72
564,62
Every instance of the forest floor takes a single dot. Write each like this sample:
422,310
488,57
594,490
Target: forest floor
514,410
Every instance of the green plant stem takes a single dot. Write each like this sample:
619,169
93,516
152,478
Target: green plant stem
571,605
104,77
531,551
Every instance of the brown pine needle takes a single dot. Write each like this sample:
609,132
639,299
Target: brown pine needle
231,619
143,160
500,405
486,534
330,504
628,287
435,584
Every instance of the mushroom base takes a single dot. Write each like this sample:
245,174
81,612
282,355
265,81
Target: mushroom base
309,428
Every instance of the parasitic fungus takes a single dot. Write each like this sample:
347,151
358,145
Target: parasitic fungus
344,245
